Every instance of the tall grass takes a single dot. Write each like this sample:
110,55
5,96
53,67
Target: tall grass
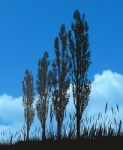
93,127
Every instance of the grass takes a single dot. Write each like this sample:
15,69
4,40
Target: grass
99,143
103,131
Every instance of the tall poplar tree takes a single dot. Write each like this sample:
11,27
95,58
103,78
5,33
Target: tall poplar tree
80,62
43,89
60,81
28,99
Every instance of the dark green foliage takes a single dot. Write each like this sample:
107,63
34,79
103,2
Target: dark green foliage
60,81
80,62
28,99
43,88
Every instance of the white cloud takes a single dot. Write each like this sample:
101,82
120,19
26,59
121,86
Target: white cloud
11,113
106,87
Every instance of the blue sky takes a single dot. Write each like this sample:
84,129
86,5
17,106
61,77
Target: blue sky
28,28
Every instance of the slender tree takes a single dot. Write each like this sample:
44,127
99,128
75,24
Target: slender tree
43,88
28,99
80,62
60,79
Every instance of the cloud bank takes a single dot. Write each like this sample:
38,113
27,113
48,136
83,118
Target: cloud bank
11,112
106,87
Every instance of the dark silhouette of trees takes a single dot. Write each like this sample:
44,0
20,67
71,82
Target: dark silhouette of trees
43,88
28,99
60,81
80,62
70,66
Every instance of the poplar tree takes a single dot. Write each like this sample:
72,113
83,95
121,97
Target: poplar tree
28,99
43,89
60,81
80,62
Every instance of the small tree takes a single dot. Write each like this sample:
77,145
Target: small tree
60,79
43,88
28,99
80,62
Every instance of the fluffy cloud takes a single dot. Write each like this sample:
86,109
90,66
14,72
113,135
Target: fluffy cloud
11,112
106,87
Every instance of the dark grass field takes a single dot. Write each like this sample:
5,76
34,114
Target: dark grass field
102,134
98,143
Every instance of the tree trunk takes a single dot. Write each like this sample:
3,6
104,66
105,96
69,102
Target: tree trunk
59,130
27,138
43,132
78,118
78,128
